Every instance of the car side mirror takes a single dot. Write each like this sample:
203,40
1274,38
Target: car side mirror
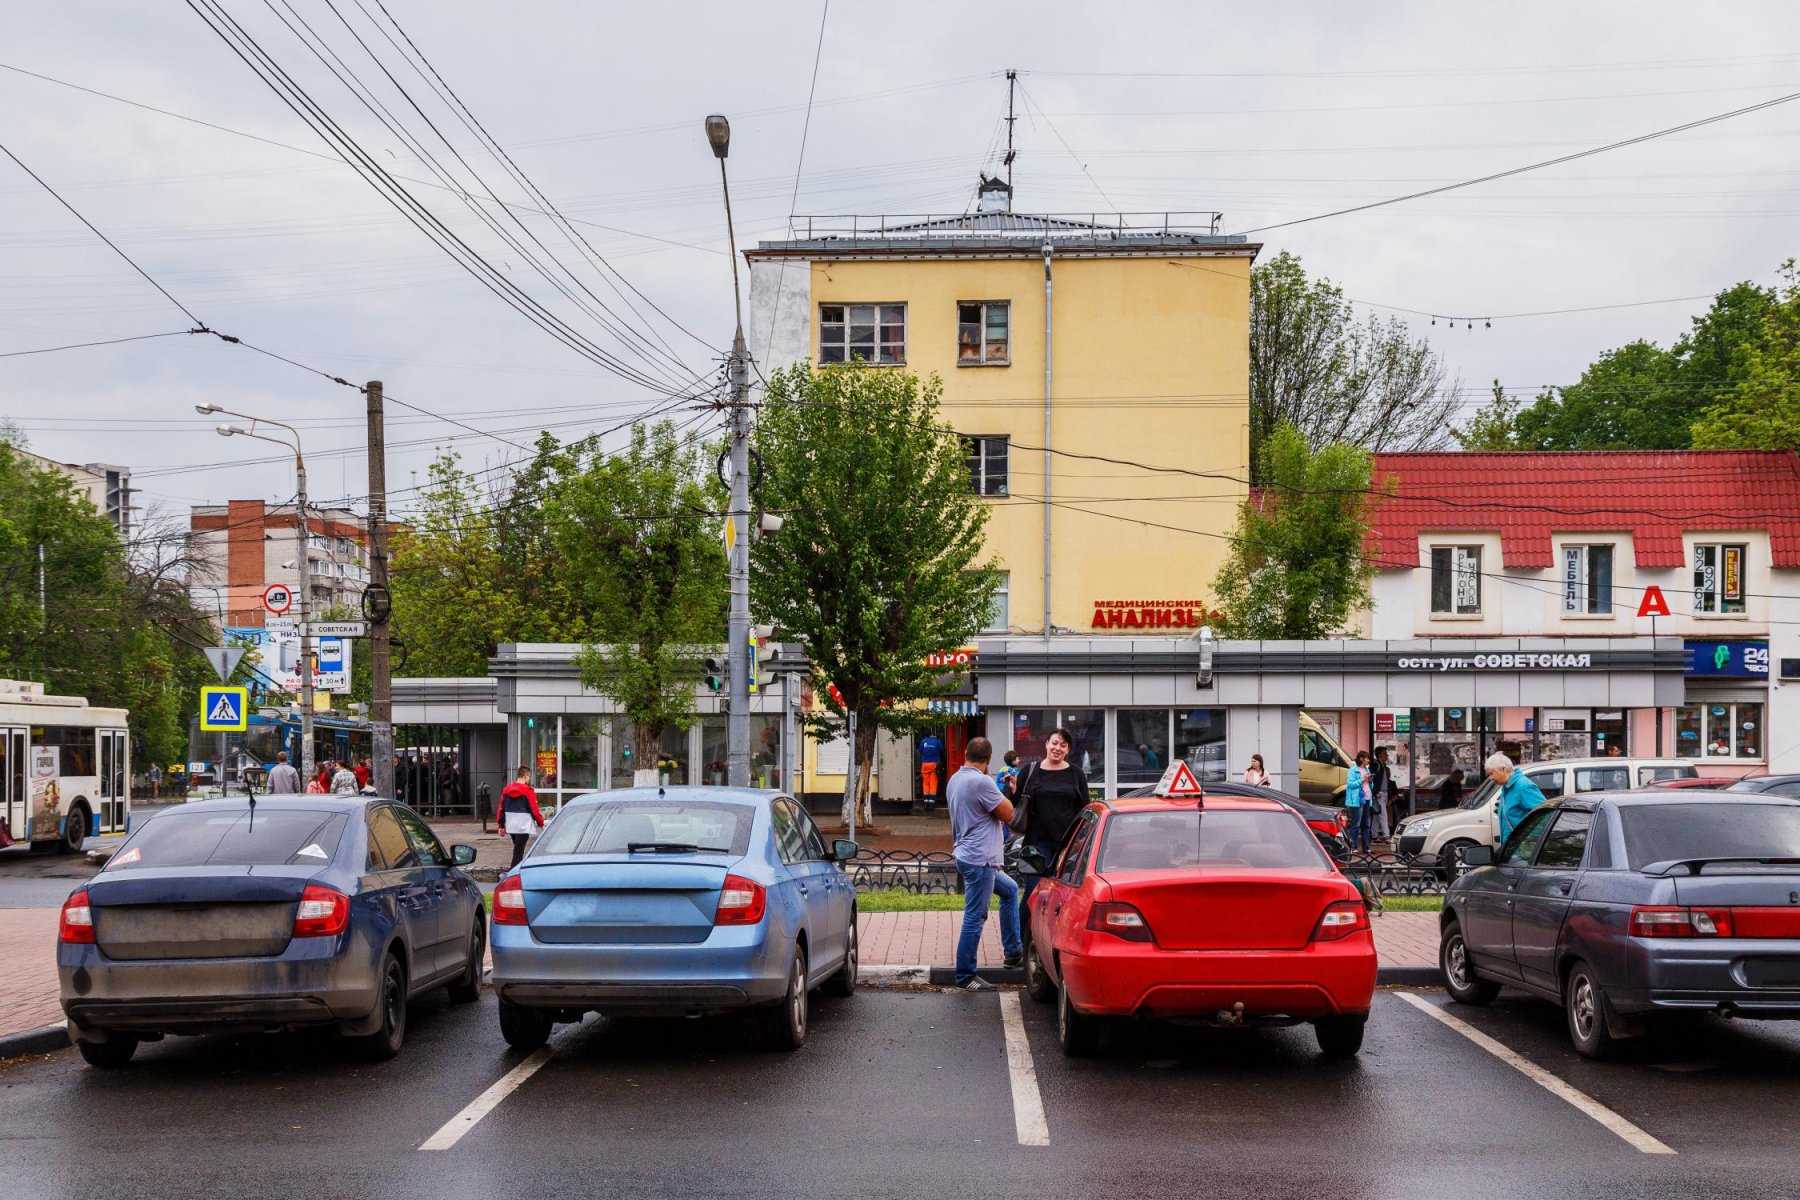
462,855
843,850
1478,856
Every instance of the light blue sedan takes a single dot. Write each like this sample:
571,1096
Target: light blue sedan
674,901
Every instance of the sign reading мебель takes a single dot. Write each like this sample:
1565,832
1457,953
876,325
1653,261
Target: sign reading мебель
1513,661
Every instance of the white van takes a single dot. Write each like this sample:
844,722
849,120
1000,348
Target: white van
1476,822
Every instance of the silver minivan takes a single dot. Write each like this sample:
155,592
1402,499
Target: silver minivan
1445,833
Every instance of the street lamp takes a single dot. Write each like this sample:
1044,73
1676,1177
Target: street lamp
737,717
300,526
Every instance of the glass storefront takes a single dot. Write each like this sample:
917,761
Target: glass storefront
1139,749
1720,731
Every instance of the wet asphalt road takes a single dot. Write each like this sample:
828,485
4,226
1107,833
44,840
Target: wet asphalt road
908,1094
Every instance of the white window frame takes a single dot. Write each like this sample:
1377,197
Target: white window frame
1705,755
1578,602
1002,604
1465,563
842,346
979,476
982,357
1716,608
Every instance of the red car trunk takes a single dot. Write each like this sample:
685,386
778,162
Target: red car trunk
1227,908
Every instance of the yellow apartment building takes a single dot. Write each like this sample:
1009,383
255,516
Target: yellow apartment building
1097,365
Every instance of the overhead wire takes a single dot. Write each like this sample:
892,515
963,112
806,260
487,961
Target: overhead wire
781,269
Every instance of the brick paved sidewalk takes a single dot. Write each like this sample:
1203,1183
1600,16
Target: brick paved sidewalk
28,951
1406,939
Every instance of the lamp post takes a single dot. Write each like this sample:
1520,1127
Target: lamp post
300,525
737,718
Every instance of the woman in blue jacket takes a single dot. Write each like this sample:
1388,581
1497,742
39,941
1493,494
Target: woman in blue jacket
1356,802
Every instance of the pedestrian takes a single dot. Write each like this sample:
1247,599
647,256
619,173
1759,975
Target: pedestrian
1450,795
979,815
155,775
519,814
1356,802
1149,757
1049,794
931,765
1615,751
1009,776
1381,793
323,778
343,781
283,779
1518,795
1256,773
363,773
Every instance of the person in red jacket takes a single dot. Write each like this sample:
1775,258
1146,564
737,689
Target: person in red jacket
362,773
519,814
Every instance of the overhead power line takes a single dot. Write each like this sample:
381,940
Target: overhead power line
1536,166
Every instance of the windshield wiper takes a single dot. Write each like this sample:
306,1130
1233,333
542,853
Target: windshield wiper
1694,865
672,848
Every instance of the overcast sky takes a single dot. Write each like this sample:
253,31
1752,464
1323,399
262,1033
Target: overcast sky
1267,112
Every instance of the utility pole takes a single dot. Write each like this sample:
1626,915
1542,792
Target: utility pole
381,694
43,594
737,717
1012,81
306,644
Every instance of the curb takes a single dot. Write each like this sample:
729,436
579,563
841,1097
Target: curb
1409,977
34,1041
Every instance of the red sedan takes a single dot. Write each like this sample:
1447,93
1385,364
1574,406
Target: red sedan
1223,909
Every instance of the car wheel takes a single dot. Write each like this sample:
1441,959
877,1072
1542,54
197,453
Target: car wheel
785,1023
843,984
385,1042
1340,1037
1460,979
467,987
109,1055
1079,1034
75,828
1450,854
1037,980
524,1028
1585,1002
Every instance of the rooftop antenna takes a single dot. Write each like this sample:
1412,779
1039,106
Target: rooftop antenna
1012,82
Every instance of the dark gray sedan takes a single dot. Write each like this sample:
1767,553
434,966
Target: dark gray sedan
298,911
1631,908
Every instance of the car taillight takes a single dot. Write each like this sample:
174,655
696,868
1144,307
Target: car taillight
1328,828
76,925
1342,919
1664,920
1120,920
509,902
741,902
323,912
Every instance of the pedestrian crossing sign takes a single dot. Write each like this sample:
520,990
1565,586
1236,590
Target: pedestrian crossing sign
224,709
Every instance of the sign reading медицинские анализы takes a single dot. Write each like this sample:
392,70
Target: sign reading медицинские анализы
1151,614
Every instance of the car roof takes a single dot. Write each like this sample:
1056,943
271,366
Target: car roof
1125,804
1769,780
1621,760
715,795
1655,798
303,802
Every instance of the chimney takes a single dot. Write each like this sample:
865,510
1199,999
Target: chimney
993,196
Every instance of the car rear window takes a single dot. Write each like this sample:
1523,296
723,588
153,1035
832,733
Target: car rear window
1649,775
233,839
613,827
1149,841
1713,829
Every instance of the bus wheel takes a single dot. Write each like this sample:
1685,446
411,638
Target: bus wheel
75,829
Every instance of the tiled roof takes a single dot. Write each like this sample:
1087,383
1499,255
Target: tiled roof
1527,496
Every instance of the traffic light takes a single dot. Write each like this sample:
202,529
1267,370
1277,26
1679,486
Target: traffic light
714,674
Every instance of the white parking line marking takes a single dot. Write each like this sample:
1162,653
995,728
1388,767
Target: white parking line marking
1638,1139
1028,1102
451,1132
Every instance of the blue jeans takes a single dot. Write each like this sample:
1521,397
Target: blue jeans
979,883
1358,833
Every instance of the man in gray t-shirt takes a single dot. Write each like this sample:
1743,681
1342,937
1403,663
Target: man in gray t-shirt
978,818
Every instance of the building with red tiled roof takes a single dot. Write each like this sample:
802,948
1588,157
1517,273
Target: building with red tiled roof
1567,546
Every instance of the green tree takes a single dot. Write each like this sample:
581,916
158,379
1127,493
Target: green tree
1639,396
879,560
1762,412
1296,567
638,535
1336,380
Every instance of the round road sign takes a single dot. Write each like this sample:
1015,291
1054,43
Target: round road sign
278,597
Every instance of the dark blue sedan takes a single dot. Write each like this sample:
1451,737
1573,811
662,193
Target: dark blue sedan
1634,909
296,911
687,900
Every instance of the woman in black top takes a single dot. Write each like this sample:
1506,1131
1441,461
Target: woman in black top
1053,791
1451,795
